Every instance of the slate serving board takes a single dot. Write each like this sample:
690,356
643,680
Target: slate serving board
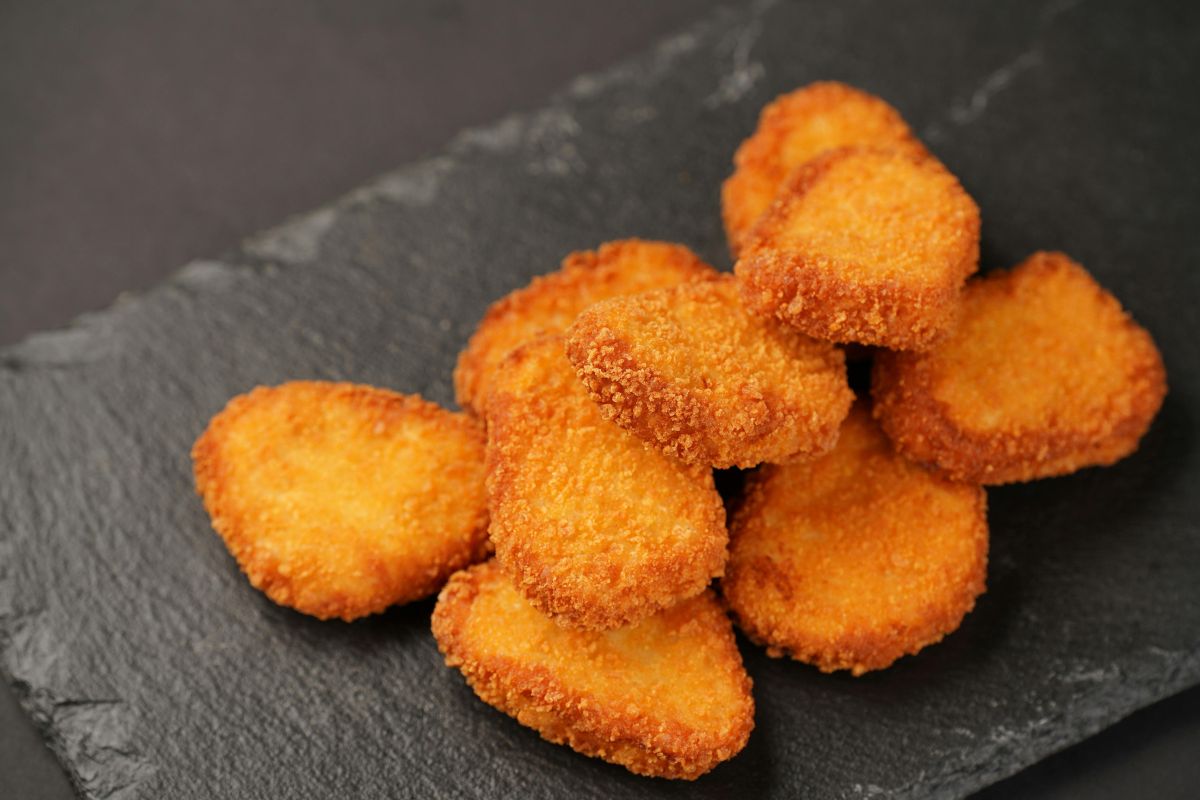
155,670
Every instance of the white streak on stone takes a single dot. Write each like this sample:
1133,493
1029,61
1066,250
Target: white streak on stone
734,85
964,113
296,240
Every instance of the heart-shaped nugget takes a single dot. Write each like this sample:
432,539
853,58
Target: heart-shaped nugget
594,526
667,697
1044,375
696,375
340,500
864,245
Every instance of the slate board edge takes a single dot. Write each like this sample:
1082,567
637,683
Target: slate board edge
296,242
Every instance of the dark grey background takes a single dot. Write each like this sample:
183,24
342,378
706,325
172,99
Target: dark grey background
135,136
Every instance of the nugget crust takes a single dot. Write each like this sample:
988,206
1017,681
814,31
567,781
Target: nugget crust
665,698
690,371
595,527
340,500
550,303
796,128
864,246
1044,374
856,558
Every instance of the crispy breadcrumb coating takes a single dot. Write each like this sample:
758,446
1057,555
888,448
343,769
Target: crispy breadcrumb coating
340,500
690,371
595,527
550,303
666,698
865,246
856,558
796,128
1044,374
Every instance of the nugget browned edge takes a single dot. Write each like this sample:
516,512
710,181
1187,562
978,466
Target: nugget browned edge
537,699
886,313
921,428
640,399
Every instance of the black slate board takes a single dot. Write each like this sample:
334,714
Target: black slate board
155,670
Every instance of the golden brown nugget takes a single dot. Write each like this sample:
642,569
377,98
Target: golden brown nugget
551,302
595,527
667,697
340,500
690,371
1044,374
856,558
796,128
864,246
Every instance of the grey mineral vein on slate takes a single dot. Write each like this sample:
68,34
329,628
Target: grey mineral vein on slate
156,671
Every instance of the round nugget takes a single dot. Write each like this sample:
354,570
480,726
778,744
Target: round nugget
796,128
856,558
550,303
865,246
690,371
340,500
667,698
595,527
1044,374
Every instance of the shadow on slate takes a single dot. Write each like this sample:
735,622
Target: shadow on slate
155,670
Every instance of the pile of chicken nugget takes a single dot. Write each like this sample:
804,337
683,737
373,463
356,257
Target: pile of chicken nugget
569,516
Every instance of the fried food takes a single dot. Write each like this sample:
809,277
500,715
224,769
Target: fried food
550,303
1044,374
340,500
865,246
595,527
796,128
690,371
856,558
667,697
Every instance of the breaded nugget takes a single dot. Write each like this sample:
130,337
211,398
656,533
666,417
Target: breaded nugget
865,246
550,303
796,128
1044,374
856,558
689,370
596,527
667,697
340,500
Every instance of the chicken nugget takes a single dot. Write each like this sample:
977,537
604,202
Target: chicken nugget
865,246
550,303
1043,375
856,558
690,371
796,128
667,697
340,500
595,527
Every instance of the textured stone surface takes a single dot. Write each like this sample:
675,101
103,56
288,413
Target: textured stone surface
155,670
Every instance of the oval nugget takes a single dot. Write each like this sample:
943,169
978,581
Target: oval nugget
1043,375
596,527
667,697
551,302
796,128
856,558
340,500
865,246
690,371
